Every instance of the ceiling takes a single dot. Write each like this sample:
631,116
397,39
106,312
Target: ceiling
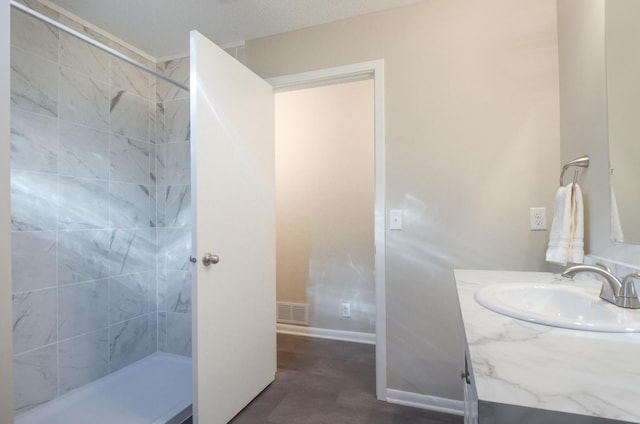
161,27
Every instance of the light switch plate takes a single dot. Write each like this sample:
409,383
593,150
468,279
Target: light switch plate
395,219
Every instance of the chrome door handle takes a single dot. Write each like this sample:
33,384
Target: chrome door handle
210,258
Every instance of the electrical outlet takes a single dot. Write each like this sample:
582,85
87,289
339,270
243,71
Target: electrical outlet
346,310
537,219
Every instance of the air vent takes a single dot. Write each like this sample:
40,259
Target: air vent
293,313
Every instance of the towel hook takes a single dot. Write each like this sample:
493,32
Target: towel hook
582,162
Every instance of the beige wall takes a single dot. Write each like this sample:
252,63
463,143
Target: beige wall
6,346
472,141
324,203
583,117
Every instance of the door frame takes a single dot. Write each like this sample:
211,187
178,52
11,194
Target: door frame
6,318
354,72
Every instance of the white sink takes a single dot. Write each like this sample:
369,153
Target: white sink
558,305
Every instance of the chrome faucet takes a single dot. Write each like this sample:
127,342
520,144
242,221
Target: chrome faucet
622,294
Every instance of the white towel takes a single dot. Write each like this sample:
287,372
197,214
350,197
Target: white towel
566,239
616,226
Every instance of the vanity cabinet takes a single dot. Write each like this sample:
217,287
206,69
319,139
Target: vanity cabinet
470,394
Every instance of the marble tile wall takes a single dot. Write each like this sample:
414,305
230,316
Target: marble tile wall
173,209
618,268
100,210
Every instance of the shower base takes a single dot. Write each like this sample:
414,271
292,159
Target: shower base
154,390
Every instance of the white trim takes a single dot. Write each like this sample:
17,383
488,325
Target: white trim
325,333
380,231
432,403
336,75
6,347
176,56
328,76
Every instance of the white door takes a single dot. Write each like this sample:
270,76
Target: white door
232,158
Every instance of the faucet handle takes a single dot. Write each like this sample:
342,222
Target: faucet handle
628,287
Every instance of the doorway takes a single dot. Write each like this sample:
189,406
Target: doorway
372,74
324,203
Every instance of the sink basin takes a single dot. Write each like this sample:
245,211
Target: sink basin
558,305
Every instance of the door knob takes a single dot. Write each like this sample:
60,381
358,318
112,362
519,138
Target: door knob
210,258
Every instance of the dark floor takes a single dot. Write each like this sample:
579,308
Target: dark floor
325,381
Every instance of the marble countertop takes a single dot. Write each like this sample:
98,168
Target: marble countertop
538,366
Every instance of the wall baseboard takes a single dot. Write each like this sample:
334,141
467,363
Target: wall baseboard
324,333
432,403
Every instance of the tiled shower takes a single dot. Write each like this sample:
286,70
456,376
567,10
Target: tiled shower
100,196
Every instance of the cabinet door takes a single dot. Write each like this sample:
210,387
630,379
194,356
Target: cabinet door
470,395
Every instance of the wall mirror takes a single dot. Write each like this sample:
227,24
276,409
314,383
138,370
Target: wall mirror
622,38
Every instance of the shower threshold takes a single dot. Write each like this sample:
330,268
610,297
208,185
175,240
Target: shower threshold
153,390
